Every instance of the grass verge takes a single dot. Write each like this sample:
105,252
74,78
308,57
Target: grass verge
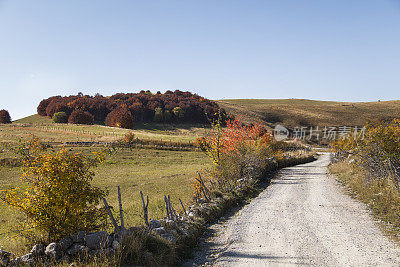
381,196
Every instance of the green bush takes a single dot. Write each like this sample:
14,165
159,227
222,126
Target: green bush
60,117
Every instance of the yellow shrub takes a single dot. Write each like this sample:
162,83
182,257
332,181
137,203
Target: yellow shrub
56,194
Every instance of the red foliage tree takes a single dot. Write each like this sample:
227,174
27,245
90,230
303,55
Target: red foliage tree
120,117
80,117
196,109
5,116
41,109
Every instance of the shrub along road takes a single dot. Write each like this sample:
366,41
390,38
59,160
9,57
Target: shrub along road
302,218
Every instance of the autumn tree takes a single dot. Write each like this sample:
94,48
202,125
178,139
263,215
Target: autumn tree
56,195
80,117
120,117
5,116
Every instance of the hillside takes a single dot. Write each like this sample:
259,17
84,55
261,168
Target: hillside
302,112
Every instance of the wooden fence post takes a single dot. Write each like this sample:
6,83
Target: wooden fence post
121,213
183,207
110,214
145,210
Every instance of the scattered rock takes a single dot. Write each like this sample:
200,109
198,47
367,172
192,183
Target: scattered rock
115,245
78,237
65,243
27,259
53,250
159,230
98,240
38,249
77,249
154,224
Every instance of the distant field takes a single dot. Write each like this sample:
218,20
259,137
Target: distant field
302,112
154,172
48,131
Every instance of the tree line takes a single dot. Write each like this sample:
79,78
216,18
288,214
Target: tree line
125,109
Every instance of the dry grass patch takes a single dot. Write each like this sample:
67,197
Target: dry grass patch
381,196
303,112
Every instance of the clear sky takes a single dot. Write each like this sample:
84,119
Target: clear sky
347,50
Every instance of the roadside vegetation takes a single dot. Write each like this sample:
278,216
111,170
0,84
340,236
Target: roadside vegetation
370,167
242,155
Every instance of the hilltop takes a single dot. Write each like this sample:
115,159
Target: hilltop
303,112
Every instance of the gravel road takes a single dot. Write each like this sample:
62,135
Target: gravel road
302,218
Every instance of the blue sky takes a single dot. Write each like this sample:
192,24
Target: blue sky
330,50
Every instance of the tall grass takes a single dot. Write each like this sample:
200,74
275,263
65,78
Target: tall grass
370,166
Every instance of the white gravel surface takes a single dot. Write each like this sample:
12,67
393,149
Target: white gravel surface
302,218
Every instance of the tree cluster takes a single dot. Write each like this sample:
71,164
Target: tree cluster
125,109
5,116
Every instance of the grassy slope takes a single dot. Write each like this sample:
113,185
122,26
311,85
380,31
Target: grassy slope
302,112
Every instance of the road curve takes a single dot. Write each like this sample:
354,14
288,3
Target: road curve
302,218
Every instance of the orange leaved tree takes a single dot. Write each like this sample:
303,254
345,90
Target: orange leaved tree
237,151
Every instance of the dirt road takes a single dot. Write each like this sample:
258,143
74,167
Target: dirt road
302,218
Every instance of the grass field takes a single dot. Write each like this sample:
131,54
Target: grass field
45,129
155,172
302,112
